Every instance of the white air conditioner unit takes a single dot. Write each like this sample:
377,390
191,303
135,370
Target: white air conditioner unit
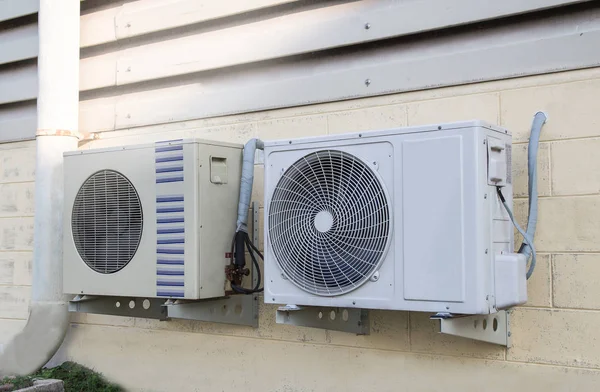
401,219
152,220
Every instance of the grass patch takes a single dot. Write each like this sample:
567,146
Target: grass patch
76,378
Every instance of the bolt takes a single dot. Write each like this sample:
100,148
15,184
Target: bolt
367,82
367,26
353,302
439,128
486,251
447,307
290,142
484,142
485,196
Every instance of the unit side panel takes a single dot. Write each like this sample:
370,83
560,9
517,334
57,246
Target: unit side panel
220,171
433,208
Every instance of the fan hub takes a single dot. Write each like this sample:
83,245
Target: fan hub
323,221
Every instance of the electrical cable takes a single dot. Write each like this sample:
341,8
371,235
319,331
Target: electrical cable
238,258
526,238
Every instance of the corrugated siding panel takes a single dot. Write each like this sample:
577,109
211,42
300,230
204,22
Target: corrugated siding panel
11,9
18,121
147,16
18,69
157,61
160,61
18,82
292,34
19,43
496,53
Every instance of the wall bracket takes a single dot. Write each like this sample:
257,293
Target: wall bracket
491,328
336,319
237,309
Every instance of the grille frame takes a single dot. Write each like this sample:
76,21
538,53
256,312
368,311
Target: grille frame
81,250
377,180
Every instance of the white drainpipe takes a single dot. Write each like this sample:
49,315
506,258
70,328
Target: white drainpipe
57,111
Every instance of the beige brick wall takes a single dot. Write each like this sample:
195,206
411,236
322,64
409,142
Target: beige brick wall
17,166
555,336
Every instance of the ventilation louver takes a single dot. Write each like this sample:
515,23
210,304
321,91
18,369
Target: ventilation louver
107,221
329,222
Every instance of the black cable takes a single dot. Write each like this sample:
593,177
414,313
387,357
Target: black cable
241,240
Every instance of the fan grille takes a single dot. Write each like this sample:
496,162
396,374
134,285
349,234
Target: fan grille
329,222
107,221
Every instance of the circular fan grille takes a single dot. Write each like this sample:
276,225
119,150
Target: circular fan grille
329,222
107,221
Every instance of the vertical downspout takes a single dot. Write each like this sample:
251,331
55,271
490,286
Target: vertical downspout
57,123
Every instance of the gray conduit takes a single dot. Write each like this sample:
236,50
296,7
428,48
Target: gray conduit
527,247
532,151
246,183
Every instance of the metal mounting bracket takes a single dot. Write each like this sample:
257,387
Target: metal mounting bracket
491,328
235,309
119,306
337,319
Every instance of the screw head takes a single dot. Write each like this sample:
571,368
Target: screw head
486,251
367,26
485,196
367,82
509,334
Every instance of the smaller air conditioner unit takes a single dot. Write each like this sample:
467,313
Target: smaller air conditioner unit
400,219
152,220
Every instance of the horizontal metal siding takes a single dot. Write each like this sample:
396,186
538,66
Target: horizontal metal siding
159,61
18,82
19,43
296,33
149,16
298,54
18,121
11,9
18,69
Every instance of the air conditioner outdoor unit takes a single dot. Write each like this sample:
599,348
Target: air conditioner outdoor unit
153,220
401,219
